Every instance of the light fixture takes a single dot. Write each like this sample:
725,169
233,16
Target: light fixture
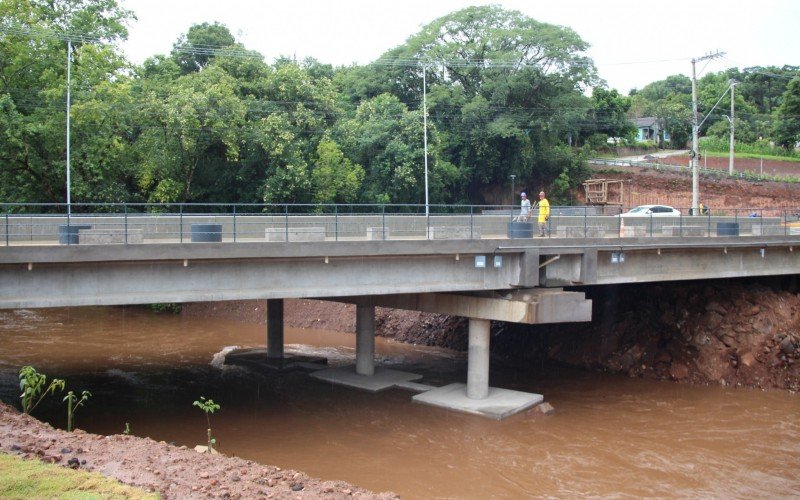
480,261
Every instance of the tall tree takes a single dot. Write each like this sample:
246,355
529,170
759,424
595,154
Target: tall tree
787,127
33,53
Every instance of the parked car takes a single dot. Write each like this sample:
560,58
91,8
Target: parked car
652,211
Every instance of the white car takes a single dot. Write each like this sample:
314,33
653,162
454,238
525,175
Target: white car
652,211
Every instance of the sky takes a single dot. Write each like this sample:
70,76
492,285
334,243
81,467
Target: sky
632,43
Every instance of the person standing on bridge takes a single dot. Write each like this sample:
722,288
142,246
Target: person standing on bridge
525,209
544,214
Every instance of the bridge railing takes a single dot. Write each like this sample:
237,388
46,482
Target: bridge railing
40,224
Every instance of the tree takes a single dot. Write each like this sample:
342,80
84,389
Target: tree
33,95
194,130
198,47
335,178
610,113
495,78
787,127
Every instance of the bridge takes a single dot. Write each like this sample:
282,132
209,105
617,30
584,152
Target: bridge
470,264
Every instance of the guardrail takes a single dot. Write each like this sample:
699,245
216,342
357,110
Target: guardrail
94,224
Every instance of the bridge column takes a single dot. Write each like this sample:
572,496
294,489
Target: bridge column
478,359
275,328
365,340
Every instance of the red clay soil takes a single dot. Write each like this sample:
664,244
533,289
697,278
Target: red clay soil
644,186
171,471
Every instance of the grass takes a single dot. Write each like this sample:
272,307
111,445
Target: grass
725,154
20,478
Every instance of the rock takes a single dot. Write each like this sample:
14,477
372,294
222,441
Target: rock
66,451
297,487
747,359
235,478
73,463
678,371
545,408
204,475
787,345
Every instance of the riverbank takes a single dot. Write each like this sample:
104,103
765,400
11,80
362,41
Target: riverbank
169,470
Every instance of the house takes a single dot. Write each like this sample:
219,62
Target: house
649,129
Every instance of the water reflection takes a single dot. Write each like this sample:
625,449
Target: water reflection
610,435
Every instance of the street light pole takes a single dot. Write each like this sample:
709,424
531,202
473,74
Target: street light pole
425,127
512,194
733,127
69,70
695,131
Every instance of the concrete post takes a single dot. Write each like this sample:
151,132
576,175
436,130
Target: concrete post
275,328
478,359
365,340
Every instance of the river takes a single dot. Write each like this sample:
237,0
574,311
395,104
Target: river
610,435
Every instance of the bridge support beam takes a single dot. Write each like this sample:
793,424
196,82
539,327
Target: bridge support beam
478,359
365,340
275,328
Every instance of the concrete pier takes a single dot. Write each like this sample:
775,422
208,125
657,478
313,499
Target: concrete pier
275,328
478,359
476,397
365,340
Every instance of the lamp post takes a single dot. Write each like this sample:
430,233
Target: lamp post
512,195
425,128
69,68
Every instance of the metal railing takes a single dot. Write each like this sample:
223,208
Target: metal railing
100,224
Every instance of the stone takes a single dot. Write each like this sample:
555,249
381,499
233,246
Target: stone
787,345
678,371
747,359
545,408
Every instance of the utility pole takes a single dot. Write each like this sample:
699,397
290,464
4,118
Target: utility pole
512,195
695,131
733,127
69,69
425,127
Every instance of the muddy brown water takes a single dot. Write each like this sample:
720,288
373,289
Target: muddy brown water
610,435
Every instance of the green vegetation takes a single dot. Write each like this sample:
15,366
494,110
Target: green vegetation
73,403
208,406
213,122
32,384
22,479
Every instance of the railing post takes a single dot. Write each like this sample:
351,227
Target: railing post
708,225
471,223
7,228
427,224
383,222
69,213
286,222
180,223
234,223
125,208
336,222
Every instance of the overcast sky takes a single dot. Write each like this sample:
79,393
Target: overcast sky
632,43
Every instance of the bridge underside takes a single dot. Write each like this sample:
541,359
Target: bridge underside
533,306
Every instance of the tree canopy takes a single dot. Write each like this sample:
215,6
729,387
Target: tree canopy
212,121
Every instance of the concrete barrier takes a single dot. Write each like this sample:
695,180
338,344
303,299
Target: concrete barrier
68,234
295,233
634,231
377,233
683,230
110,236
580,231
453,233
764,230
